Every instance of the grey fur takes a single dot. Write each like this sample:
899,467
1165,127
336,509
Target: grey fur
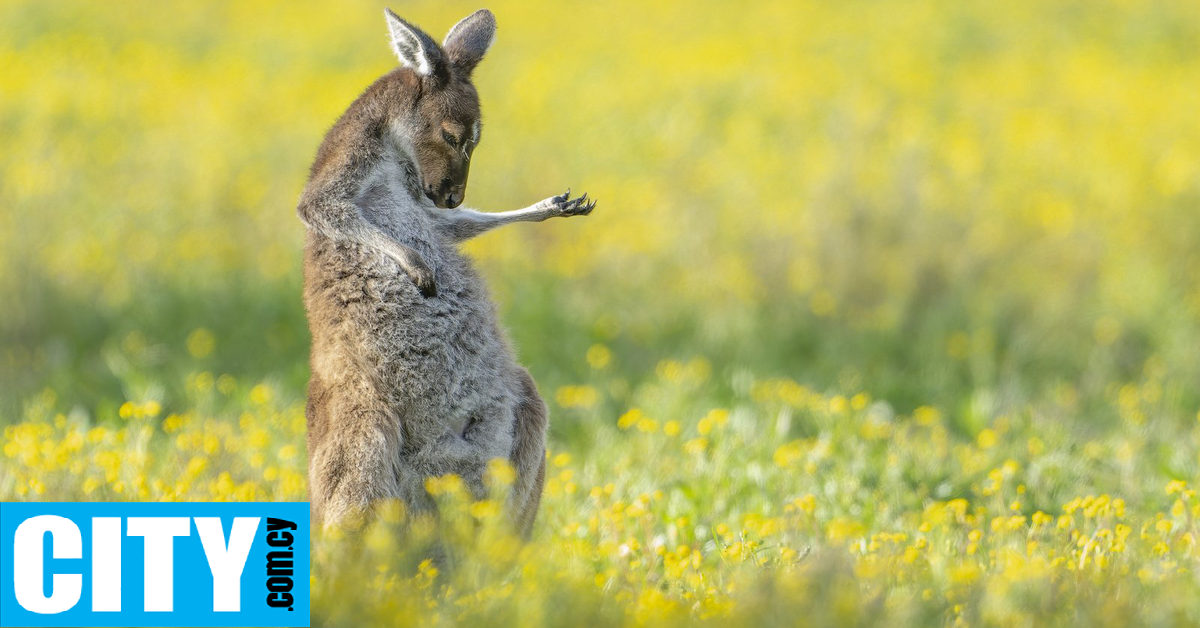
469,39
412,375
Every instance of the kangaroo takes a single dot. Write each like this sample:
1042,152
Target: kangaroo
412,375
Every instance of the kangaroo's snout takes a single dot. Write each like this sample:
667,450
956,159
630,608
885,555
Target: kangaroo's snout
447,194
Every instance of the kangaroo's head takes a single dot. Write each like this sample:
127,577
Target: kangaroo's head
444,123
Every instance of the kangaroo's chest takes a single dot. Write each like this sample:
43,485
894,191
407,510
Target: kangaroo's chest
444,351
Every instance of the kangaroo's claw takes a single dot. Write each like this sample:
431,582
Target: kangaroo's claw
564,205
561,198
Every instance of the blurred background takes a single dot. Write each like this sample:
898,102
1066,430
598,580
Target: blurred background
889,313
927,200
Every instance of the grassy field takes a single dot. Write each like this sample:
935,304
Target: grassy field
889,313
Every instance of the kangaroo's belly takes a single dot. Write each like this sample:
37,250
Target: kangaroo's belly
440,362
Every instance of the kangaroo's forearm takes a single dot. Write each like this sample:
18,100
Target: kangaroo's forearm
328,204
464,224
340,219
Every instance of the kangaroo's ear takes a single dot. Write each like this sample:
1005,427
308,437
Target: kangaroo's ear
413,47
468,40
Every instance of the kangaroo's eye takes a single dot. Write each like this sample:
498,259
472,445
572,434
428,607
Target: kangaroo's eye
450,139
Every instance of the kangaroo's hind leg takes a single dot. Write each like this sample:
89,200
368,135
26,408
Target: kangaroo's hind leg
529,454
354,454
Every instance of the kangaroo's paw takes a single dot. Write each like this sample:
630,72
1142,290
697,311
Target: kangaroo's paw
564,205
422,276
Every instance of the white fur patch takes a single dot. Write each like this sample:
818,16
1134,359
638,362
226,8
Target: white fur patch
407,46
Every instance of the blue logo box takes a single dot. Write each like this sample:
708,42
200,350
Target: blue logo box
154,564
